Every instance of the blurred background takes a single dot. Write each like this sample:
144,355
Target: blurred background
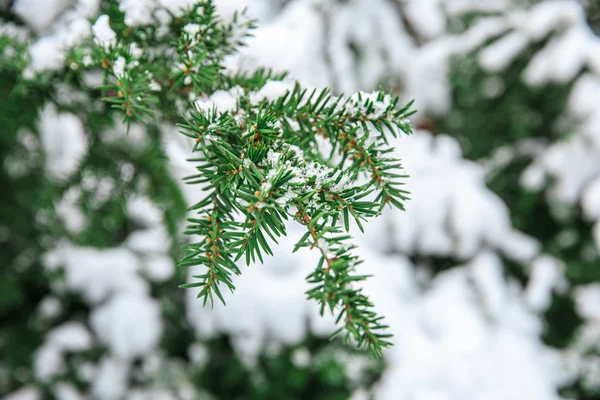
490,280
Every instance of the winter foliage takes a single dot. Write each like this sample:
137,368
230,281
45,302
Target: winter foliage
489,280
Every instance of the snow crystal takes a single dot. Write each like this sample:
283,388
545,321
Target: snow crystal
129,324
379,106
343,184
286,198
273,157
265,187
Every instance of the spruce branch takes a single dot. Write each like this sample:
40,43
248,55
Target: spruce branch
258,144
274,179
335,286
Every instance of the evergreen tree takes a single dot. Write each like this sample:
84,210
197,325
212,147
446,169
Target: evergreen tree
106,204
488,281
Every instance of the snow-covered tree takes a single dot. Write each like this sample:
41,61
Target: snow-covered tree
488,280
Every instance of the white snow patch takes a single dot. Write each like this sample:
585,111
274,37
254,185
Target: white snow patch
66,391
70,336
272,90
137,12
39,14
159,267
97,274
587,299
546,273
26,393
63,140
104,36
501,53
111,379
129,324
222,100
48,362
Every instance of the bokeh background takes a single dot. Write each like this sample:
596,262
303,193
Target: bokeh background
490,279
